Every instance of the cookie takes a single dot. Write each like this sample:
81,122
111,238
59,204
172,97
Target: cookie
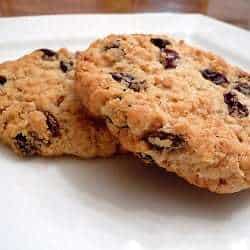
40,113
185,109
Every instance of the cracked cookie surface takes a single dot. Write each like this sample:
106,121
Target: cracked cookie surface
183,108
40,113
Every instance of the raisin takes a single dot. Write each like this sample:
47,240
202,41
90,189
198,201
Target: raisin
216,77
66,66
147,159
129,81
26,147
230,98
163,140
3,80
114,45
160,43
244,88
235,108
222,181
122,77
48,54
52,124
137,86
168,58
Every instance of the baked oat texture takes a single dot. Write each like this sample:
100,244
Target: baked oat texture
181,107
41,115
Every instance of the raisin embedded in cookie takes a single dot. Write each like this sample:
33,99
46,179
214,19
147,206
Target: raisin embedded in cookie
40,113
182,108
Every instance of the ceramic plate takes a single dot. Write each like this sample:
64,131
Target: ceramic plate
113,204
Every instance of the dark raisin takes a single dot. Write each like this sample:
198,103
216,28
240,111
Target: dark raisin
163,140
137,86
26,147
3,80
230,98
222,181
244,88
129,81
52,124
168,58
216,77
122,77
160,43
48,54
235,108
114,45
147,159
66,66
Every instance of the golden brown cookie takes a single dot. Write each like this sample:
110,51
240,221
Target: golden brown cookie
40,113
181,107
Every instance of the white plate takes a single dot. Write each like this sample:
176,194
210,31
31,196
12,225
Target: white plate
66,204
